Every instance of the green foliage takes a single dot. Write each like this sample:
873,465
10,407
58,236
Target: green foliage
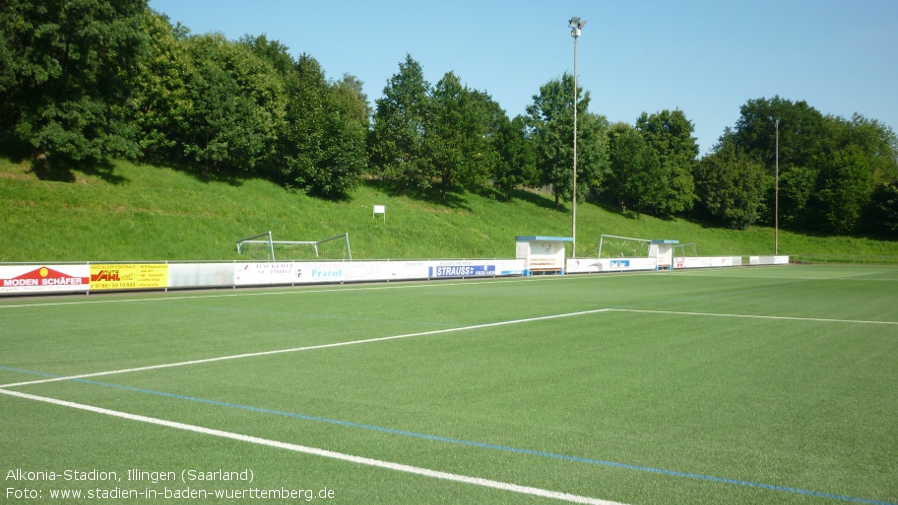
161,101
551,121
801,131
883,209
396,144
669,134
65,73
796,187
235,112
151,213
86,81
730,185
516,156
829,166
637,179
348,93
323,139
845,179
456,135
447,135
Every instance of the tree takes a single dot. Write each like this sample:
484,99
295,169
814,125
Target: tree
516,156
884,208
801,132
846,189
669,134
234,111
348,93
636,179
797,189
160,89
396,141
323,143
455,137
66,68
550,119
730,185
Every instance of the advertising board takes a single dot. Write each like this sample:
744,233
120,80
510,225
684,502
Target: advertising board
436,272
595,265
44,279
105,276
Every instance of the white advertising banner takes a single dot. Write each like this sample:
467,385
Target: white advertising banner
200,274
248,274
316,272
768,260
708,262
44,279
594,265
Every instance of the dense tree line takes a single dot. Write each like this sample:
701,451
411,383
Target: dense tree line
834,175
86,81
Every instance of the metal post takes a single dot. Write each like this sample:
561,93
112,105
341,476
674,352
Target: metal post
576,25
574,217
776,229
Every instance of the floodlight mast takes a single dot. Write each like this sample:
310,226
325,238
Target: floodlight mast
576,25
776,228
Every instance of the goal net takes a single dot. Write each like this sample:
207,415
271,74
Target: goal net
613,246
263,247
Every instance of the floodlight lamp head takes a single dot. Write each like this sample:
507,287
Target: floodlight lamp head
576,25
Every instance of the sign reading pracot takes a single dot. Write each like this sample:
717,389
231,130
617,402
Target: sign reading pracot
32,279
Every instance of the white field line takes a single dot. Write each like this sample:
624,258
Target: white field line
477,481
705,273
307,348
752,316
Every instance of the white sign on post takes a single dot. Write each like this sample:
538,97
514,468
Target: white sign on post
380,209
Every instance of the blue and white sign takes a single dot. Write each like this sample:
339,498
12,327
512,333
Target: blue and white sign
462,271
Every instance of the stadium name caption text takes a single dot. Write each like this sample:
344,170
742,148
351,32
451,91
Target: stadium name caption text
186,475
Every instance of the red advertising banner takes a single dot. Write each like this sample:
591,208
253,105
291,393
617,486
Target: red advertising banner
40,279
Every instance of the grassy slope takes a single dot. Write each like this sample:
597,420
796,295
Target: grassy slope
151,213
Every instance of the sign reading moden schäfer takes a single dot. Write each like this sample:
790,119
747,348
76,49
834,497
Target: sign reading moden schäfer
39,279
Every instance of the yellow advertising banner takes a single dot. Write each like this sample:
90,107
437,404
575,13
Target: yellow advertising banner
128,276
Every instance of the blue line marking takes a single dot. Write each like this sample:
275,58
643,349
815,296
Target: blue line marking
482,445
29,372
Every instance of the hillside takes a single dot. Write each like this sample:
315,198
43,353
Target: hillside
138,212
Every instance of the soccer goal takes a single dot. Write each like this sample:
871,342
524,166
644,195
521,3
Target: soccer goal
684,250
263,247
613,246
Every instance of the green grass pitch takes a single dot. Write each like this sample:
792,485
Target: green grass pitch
740,386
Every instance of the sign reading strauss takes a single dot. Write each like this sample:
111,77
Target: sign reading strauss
463,271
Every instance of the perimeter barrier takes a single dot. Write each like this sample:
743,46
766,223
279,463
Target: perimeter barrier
88,277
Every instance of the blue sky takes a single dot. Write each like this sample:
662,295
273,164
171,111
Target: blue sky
704,57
